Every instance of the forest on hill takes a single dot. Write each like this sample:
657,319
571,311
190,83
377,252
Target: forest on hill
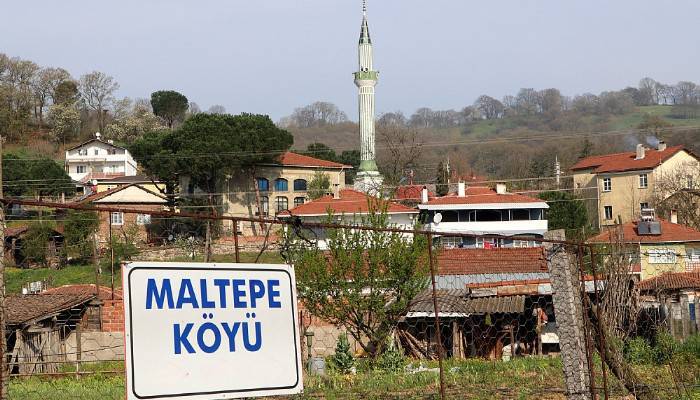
45,109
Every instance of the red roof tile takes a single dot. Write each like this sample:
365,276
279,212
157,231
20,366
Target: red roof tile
85,289
100,176
483,195
411,192
671,281
621,162
299,160
670,233
350,202
491,261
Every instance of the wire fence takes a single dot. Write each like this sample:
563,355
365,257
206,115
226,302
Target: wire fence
388,311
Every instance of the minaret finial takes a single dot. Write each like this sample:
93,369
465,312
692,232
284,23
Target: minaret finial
364,7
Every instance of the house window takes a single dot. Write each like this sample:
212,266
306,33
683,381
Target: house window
82,152
80,169
451,242
263,184
97,151
281,203
300,185
281,185
488,243
608,212
299,201
607,184
690,182
643,205
112,152
143,219
662,256
264,205
117,218
523,243
520,214
643,181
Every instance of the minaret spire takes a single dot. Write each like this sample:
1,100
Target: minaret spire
368,177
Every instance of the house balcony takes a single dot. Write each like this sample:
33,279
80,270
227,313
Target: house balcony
506,228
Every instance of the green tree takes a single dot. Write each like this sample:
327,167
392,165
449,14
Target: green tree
169,105
352,158
320,150
364,281
441,183
566,211
25,175
66,92
35,243
320,185
343,360
78,228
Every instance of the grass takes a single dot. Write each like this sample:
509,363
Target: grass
15,278
521,378
72,274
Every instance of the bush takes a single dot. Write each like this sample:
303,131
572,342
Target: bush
342,361
35,243
78,230
691,346
638,351
392,359
666,347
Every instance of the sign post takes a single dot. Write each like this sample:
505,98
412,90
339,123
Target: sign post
210,331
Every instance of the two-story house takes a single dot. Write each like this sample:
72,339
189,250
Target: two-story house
485,211
281,185
98,159
655,246
619,186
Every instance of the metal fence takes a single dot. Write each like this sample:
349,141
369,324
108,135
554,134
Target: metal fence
392,312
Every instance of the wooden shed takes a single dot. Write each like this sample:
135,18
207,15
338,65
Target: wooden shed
37,326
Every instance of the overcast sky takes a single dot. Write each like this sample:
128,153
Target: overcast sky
270,56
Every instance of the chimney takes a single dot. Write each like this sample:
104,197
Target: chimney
501,188
461,189
641,152
424,195
98,135
661,146
674,216
336,191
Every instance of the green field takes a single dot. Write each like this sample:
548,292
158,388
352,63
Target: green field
521,378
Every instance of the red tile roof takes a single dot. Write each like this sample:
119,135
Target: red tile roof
85,289
670,233
491,261
671,281
299,160
411,192
350,202
100,176
483,195
621,162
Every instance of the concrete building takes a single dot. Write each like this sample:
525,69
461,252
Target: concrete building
619,186
368,178
98,159
484,211
668,248
350,206
281,186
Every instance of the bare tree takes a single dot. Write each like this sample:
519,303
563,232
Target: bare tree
45,83
319,113
647,89
489,107
392,118
97,90
678,190
403,150
217,109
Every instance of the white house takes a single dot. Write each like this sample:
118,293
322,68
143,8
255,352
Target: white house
98,159
484,211
349,206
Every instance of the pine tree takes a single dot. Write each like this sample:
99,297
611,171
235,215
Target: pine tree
343,359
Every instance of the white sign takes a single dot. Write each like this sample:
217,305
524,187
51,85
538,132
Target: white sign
210,331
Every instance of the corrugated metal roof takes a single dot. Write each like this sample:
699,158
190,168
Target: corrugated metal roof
457,301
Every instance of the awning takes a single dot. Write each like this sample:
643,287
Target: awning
457,303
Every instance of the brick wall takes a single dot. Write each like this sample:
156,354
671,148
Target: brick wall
113,316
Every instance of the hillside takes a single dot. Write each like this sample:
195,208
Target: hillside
518,146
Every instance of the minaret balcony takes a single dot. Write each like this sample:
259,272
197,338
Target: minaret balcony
367,75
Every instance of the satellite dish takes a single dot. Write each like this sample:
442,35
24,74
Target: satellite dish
94,182
437,218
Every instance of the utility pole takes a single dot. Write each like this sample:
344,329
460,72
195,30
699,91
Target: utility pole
4,373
